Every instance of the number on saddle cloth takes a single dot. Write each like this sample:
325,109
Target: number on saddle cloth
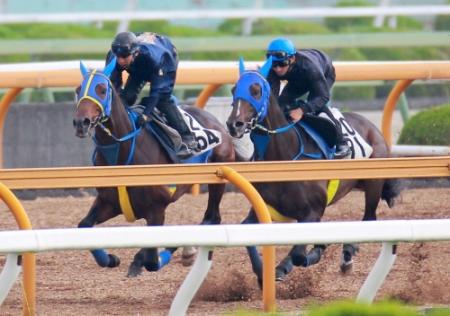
359,147
206,138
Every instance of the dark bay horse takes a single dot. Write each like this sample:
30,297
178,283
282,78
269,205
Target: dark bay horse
255,110
119,142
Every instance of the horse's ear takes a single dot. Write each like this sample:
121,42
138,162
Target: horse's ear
264,70
110,67
83,69
241,66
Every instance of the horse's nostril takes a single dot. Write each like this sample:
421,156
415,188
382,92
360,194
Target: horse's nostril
238,124
86,122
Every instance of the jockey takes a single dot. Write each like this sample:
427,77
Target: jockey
306,71
150,57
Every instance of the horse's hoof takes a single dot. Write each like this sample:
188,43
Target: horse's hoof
188,256
346,267
134,270
114,261
260,283
280,275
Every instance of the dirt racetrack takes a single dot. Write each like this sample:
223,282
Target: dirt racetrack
70,282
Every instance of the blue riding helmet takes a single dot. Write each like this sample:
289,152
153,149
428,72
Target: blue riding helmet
280,49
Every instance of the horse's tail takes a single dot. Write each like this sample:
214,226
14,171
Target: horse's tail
391,189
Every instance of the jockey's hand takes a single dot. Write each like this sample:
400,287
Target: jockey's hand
296,115
142,120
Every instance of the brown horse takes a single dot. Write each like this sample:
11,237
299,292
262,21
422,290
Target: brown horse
255,110
119,142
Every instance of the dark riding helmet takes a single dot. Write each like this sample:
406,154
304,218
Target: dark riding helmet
124,44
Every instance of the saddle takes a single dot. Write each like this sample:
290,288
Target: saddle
170,139
323,132
358,145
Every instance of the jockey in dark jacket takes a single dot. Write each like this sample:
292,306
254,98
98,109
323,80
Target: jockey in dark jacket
149,57
306,71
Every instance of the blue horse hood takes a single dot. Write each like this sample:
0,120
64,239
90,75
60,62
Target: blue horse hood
242,91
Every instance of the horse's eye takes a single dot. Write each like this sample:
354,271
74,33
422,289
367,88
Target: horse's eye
255,91
101,91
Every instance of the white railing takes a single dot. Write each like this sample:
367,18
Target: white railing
207,237
251,13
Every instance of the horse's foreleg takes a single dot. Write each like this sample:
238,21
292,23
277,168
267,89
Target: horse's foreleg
372,196
212,213
102,258
284,268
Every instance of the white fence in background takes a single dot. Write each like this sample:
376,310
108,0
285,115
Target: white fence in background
252,13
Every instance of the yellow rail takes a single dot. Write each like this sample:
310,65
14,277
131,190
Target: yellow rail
85,177
263,215
29,259
215,74
48,75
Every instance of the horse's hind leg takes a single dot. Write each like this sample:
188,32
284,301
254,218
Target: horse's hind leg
298,257
149,258
212,213
372,195
99,213
252,251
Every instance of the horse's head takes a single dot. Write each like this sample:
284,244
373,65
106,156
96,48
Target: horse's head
94,97
251,96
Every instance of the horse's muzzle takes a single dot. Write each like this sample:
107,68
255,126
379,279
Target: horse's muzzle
236,128
82,127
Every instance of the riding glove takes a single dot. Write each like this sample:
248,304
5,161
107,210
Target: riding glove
142,120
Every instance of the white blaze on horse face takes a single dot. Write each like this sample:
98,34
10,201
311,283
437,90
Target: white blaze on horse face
238,109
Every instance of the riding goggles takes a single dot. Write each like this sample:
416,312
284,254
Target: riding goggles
282,63
121,51
278,55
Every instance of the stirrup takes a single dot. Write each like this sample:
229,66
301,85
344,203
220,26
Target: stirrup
190,143
342,152
184,152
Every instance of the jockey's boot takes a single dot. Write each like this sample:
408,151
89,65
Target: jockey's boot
189,145
342,150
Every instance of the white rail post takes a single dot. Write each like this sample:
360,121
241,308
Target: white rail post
9,275
192,282
379,272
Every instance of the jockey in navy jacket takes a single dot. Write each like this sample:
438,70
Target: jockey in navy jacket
306,71
149,57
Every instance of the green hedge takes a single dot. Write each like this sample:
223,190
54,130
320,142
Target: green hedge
429,127
349,308
359,309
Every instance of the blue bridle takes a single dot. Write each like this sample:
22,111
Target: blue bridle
242,91
90,81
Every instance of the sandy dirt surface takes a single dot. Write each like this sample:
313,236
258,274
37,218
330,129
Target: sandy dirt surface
70,282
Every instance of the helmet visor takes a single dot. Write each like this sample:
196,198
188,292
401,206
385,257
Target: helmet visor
121,51
277,55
